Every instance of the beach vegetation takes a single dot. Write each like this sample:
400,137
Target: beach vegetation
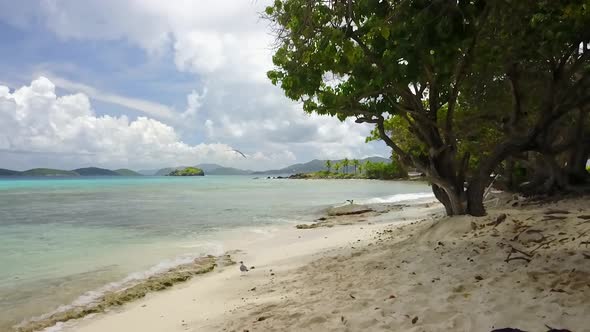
461,91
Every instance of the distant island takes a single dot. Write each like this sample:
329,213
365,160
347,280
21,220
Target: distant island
337,169
88,171
188,171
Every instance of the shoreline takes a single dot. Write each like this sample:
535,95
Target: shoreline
411,269
291,248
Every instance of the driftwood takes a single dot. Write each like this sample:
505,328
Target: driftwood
515,250
553,211
541,245
517,235
552,217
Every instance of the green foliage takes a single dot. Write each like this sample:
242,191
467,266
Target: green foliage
189,171
329,165
454,87
384,171
345,164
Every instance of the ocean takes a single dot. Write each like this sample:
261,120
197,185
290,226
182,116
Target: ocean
64,240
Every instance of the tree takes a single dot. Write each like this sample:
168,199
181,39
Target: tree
356,164
328,166
345,164
337,167
415,66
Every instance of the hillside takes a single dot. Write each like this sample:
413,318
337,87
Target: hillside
166,171
95,171
228,171
9,172
49,172
127,172
314,166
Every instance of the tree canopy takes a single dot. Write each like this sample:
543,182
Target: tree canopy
455,88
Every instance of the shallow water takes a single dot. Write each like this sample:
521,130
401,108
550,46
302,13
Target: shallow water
61,237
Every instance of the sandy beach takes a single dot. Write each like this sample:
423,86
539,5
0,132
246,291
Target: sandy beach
525,265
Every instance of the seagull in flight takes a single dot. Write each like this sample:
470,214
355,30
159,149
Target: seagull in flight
240,152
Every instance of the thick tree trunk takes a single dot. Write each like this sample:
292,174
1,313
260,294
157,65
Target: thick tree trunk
475,193
452,201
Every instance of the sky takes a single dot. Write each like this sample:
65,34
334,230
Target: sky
152,83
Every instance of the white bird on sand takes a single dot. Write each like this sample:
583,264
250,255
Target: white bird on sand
243,267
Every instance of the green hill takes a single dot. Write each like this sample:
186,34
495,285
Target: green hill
188,171
49,172
95,171
126,172
166,171
228,171
9,172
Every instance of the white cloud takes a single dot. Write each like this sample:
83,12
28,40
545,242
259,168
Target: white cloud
228,47
149,107
34,119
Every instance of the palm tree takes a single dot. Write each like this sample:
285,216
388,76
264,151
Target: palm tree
345,163
356,164
337,167
328,165
360,169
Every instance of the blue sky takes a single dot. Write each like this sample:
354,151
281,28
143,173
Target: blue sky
150,84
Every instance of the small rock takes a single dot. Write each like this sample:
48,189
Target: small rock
415,320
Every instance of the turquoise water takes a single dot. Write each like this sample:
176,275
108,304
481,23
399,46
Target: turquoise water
61,237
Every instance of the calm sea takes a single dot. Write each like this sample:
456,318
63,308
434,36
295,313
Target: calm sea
63,237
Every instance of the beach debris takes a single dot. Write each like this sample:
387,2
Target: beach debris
553,217
551,329
243,267
352,296
261,318
501,218
478,278
555,211
349,210
414,320
392,296
532,235
584,217
252,289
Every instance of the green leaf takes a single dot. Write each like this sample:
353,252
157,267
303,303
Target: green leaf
385,32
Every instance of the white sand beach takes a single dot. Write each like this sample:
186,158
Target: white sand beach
404,270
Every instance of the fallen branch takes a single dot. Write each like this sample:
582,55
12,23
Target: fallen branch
541,245
528,260
517,235
552,211
552,217
521,251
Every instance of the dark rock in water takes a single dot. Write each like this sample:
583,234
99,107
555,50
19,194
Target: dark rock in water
299,176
